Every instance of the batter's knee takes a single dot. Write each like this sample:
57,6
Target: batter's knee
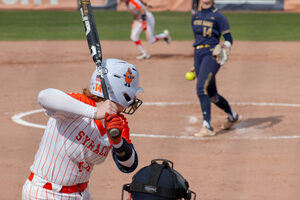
134,38
214,99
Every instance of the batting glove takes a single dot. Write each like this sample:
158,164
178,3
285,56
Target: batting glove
111,122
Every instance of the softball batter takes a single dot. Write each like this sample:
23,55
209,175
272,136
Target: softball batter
76,138
143,21
209,24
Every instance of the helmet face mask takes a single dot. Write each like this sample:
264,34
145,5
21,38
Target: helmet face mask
122,81
133,107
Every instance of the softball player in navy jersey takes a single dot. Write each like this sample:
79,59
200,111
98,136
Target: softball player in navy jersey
209,24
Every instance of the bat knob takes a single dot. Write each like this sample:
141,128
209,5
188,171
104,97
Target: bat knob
114,132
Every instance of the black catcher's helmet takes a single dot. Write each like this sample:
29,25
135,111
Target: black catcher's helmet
158,182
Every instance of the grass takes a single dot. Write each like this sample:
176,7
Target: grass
67,25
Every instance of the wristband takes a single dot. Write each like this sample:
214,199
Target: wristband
144,17
227,44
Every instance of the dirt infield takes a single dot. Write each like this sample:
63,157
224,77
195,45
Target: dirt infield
259,159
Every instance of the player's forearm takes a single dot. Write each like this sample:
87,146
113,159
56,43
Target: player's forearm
228,37
58,101
124,153
125,157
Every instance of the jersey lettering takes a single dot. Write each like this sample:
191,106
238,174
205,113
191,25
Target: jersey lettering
83,165
97,149
86,139
80,135
90,144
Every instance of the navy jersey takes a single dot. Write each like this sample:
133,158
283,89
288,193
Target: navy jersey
208,26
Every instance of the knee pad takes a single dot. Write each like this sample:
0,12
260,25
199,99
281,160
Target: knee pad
215,99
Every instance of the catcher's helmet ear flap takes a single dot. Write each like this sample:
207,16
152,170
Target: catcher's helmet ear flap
158,182
122,80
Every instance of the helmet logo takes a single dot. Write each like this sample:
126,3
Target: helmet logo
128,77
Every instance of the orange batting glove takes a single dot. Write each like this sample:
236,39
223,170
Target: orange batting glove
113,123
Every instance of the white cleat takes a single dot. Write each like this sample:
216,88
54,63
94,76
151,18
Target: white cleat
143,56
168,38
205,132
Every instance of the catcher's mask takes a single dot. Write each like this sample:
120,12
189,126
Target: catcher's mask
122,81
158,182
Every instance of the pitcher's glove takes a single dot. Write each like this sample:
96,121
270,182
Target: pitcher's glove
114,127
221,52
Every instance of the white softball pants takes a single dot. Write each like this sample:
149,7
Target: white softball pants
136,29
34,191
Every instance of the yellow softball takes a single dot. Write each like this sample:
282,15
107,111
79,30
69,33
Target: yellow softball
190,76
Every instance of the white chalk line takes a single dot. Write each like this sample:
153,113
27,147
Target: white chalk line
164,104
17,118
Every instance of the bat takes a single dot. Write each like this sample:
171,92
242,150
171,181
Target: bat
94,45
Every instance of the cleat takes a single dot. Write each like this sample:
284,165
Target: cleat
205,132
228,124
143,56
168,38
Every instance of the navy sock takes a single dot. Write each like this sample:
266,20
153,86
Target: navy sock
224,105
206,107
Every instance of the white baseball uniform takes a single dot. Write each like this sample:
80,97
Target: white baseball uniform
135,7
73,142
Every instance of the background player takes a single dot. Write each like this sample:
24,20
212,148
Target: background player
209,24
143,21
76,138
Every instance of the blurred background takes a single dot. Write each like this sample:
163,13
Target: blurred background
157,5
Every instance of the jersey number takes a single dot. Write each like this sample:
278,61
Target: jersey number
207,31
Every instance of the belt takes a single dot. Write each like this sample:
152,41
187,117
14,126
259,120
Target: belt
201,46
65,189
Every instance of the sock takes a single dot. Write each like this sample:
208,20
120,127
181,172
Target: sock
140,46
224,105
232,116
207,125
206,108
160,36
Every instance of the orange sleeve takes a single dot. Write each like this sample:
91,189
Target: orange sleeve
82,98
137,6
85,99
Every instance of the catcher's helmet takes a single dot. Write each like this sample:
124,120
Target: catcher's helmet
122,81
158,182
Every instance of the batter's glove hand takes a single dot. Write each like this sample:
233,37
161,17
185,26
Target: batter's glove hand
144,25
114,127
